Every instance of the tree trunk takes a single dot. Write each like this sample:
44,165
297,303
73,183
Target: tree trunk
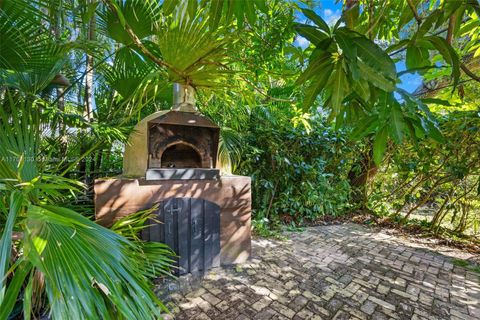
440,215
56,27
360,174
88,99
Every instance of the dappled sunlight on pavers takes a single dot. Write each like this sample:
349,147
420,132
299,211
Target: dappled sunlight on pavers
336,272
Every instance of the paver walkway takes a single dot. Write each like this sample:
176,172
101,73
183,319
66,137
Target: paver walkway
337,272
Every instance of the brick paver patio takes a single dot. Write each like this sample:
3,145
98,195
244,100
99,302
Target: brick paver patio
337,272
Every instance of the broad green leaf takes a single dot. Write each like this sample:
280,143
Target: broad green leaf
435,133
351,15
411,130
315,67
316,85
380,145
406,15
384,101
436,101
372,55
448,54
367,126
427,23
311,33
339,86
458,21
420,131
397,46
321,47
354,71
311,15
417,57
362,89
375,78
397,124
345,43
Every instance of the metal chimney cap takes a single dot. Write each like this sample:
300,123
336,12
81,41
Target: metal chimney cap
184,98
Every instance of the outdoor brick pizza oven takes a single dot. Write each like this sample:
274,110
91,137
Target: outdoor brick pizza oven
170,164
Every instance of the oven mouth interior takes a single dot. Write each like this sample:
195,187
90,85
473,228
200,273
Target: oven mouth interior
181,155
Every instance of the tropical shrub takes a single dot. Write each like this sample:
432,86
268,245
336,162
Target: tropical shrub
436,182
53,254
298,163
55,261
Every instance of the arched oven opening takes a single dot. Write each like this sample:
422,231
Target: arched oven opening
181,155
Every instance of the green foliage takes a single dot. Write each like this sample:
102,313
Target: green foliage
62,244
199,55
76,76
438,179
243,11
355,58
27,48
347,53
142,16
292,168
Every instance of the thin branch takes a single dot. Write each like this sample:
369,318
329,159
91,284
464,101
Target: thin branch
374,24
440,88
469,73
414,11
401,73
256,88
80,78
451,26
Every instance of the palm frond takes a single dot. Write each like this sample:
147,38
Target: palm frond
90,272
81,259
29,58
128,71
197,54
158,257
143,16
229,149
19,139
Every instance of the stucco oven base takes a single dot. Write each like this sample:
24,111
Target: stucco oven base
116,198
